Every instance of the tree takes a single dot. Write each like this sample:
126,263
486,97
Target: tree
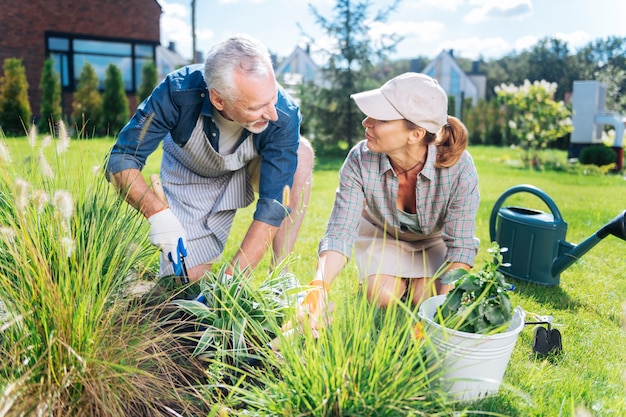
50,85
550,60
148,80
605,61
15,111
348,68
87,104
115,111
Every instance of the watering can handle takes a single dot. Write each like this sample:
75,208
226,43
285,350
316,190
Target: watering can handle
518,189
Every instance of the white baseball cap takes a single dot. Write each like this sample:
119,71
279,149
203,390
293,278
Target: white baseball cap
412,96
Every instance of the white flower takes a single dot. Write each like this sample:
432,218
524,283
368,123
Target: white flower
68,246
7,234
32,136
64,138
41,199
44,166
63,203
21,194
5,155
46,141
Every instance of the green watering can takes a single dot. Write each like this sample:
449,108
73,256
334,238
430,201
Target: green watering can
537,249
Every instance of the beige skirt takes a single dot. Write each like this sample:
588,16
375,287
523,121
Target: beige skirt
377,252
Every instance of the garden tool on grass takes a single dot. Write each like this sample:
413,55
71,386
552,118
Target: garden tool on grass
546,340
180,269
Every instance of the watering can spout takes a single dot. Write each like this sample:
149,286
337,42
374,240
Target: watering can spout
616,227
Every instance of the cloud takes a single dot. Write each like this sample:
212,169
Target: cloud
449,5
575,39
496,9
525,42
176,27
424,31
475,47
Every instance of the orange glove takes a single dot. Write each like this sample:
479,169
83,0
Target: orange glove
316,298
314,304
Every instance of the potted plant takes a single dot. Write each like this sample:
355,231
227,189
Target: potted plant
472,330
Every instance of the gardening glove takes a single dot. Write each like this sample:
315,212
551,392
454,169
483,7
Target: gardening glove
312,310
313,301
165,231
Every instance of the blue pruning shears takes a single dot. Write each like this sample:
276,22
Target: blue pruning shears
180,269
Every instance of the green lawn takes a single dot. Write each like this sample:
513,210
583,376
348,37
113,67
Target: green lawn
588,307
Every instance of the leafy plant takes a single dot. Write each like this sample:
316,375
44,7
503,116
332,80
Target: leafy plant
479,302
234,320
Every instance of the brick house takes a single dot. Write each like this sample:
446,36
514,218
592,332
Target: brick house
123,32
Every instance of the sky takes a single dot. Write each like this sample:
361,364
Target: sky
473,29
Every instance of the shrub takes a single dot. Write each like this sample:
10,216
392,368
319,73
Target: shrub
115,111
148,81
597,155
535,119
51,96
15,110
87,104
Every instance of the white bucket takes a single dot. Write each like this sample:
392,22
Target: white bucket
473,365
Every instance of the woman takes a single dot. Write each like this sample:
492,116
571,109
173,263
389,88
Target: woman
407,197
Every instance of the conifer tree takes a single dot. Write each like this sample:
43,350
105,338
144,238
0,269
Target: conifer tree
87,104
115,111
15,111
148,81
50,85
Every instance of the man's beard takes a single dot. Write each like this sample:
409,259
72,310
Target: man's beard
252,128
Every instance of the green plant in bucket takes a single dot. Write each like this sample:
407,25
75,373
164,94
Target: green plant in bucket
479,302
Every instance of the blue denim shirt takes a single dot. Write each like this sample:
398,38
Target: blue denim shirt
173,109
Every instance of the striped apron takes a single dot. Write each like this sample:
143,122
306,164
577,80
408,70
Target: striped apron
204,190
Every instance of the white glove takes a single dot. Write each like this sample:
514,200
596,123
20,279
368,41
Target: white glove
165,230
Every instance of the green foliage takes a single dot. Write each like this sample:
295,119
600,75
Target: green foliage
148,80
74,342
115,111
485,123
368,362
87,104
597,155
534,118
50,86
348,65
479,302
237,318
15,111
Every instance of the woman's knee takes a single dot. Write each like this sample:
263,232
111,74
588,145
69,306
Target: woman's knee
385,290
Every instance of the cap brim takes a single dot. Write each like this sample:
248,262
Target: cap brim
374,104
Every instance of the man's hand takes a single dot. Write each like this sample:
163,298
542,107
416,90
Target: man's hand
165,230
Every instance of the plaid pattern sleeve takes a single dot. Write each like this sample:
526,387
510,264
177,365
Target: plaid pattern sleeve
342,228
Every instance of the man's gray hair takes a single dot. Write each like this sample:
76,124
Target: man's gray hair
238,53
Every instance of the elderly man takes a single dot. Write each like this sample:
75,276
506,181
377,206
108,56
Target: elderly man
228,129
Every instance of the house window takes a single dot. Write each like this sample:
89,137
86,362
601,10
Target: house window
71,53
